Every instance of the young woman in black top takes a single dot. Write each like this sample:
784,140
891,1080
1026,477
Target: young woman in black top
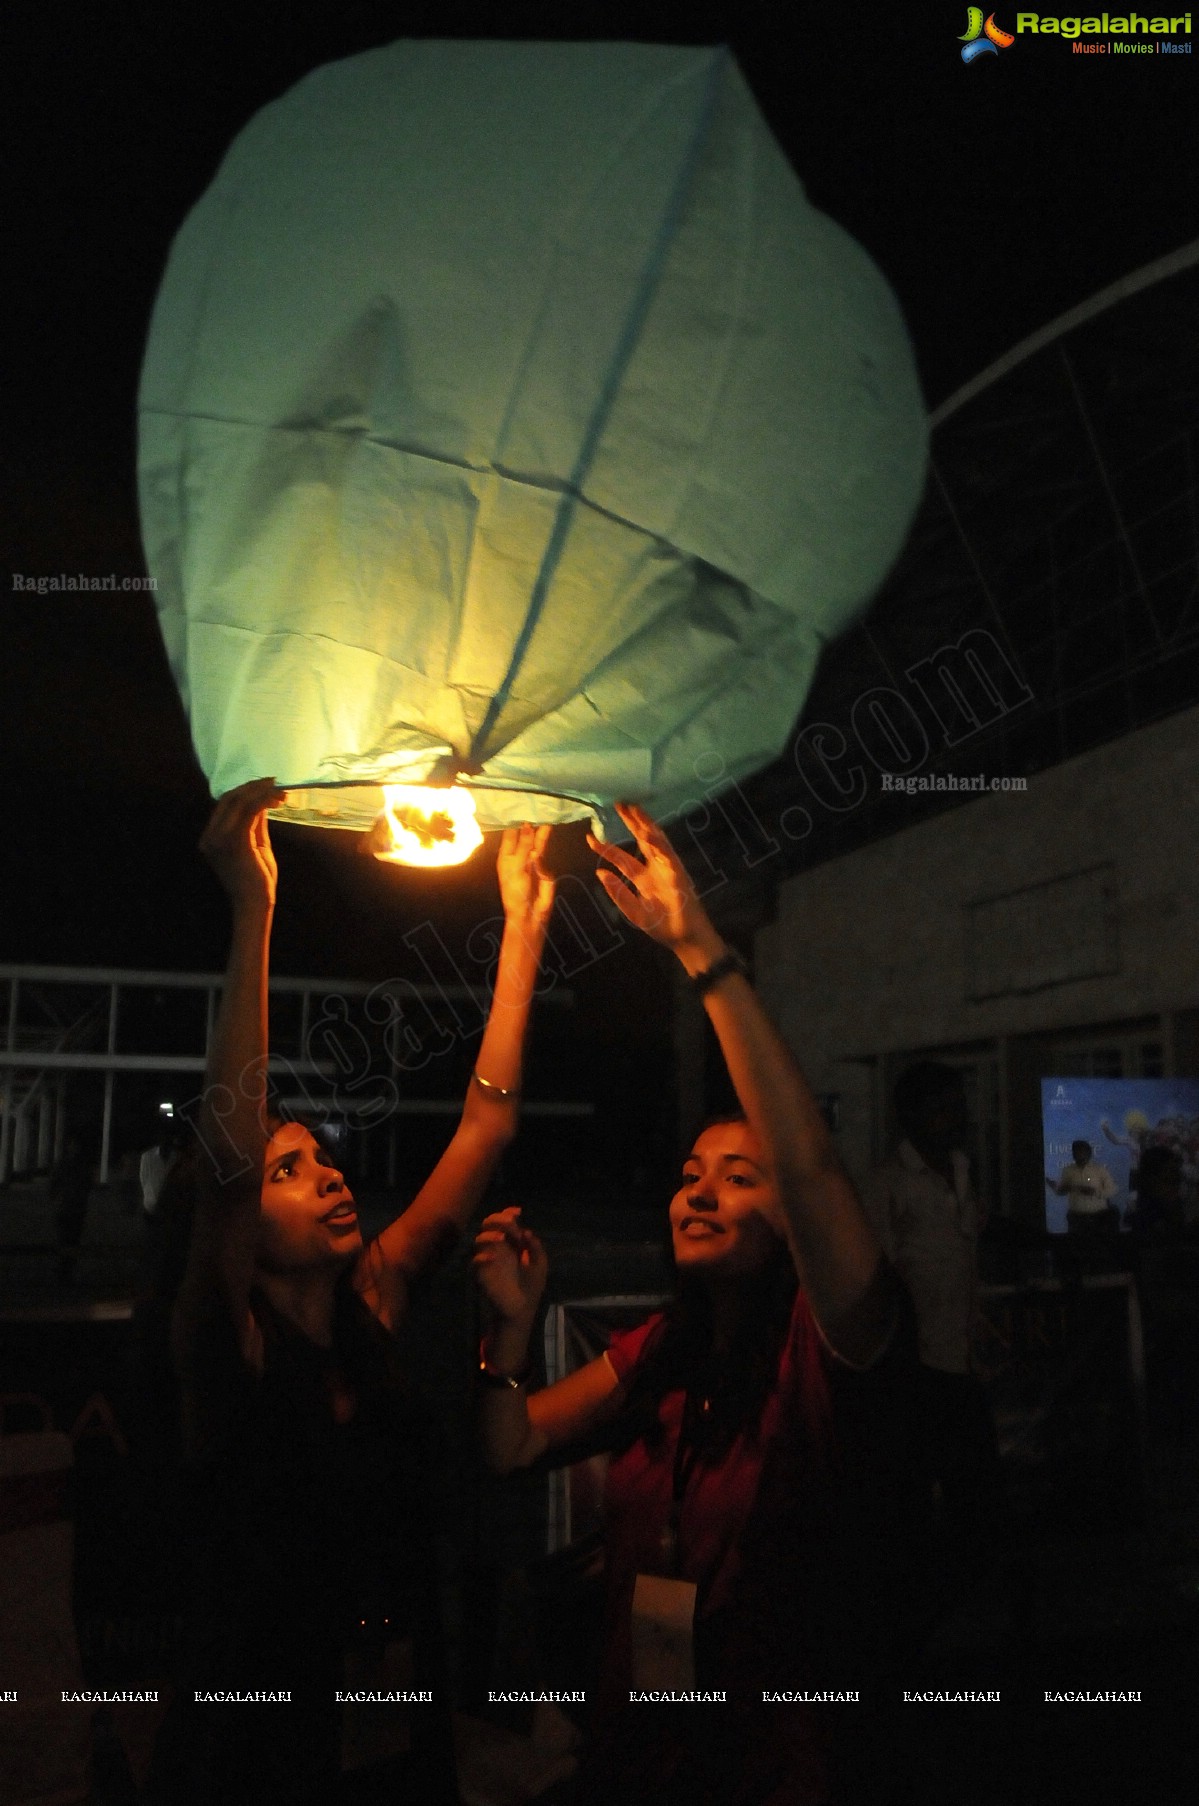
303,1457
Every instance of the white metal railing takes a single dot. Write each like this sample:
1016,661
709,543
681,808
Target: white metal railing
32,1053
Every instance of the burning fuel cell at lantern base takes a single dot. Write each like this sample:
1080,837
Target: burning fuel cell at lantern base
424,824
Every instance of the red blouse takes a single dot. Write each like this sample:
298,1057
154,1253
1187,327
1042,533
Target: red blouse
781,1535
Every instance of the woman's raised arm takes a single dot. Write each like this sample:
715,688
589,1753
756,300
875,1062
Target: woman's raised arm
231,1123
835,1251
443,1207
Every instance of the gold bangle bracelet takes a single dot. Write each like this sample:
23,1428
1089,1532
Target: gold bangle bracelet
495,1090
507,1382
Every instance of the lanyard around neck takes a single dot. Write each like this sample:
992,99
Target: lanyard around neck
686,1456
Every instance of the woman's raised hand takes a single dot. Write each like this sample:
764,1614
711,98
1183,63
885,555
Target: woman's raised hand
526,887
237,845
654,892
510,1265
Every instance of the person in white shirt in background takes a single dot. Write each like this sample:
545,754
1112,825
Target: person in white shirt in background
1088,1189
923,1208
152,1170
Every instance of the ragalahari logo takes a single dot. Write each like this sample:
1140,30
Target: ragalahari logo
982,38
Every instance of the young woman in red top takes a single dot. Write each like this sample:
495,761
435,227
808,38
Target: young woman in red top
756,1426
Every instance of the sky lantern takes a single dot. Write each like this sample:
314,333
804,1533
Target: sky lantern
512,428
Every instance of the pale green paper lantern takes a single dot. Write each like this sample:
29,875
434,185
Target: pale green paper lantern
508,411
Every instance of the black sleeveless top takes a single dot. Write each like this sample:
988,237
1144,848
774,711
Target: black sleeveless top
308,1540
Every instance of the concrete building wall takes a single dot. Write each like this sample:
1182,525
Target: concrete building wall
884,952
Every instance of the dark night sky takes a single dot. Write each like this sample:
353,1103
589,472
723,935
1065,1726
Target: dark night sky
993,196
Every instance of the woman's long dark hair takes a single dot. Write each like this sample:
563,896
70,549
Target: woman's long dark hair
365,1351
679,1356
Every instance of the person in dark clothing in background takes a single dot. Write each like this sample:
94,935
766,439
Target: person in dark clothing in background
69,1189
1159,1193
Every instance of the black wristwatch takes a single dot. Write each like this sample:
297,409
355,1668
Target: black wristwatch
728,963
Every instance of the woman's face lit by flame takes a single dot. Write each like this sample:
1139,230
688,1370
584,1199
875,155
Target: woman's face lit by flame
308,1219
726,1219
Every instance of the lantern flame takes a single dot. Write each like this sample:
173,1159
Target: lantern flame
427,824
